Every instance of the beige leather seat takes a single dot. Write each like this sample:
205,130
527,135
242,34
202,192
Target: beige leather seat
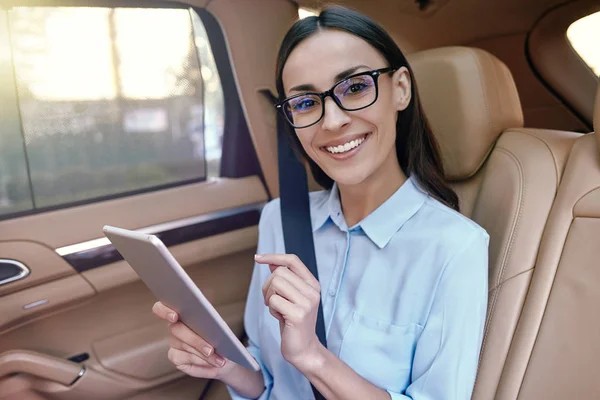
556,350
506,176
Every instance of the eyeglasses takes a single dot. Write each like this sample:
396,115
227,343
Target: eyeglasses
354,93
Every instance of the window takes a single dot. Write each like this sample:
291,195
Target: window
584,36
103,102
306,12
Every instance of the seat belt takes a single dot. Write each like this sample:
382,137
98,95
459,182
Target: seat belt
295,213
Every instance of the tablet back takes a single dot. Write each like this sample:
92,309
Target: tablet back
167,280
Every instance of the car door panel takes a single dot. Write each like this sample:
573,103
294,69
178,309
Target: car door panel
79,324
105,311
117,329
33,255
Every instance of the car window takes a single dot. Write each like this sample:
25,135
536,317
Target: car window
305,12
106,102
584,35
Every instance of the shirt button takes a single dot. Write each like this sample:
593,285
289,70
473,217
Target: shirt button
332,293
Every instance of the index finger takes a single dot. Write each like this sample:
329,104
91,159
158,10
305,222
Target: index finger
291,261
164,312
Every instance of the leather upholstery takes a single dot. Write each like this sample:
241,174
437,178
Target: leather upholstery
557,338
519,184
470,98
556,341
506,177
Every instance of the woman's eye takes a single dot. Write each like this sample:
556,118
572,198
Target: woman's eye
304,105
357,87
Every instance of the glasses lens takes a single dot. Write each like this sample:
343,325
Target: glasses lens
303,110
357,92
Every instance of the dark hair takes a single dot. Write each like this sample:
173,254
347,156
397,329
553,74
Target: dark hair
416,147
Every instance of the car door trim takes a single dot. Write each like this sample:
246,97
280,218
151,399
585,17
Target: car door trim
24,271
98,252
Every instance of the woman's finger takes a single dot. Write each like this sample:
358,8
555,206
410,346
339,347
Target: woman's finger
277,315
285,308
191,364
164,312
281,286
179,345
199,371
190,338
179,357
292,262
300,284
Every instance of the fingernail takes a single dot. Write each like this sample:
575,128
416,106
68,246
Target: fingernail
220,361
258,257
172,316
206,350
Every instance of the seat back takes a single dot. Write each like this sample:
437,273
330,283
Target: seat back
506,177
556,350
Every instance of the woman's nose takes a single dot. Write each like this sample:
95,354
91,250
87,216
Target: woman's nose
334,117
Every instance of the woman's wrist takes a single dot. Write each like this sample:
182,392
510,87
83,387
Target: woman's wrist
242,380
312,361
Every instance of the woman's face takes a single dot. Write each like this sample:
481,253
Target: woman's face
349,146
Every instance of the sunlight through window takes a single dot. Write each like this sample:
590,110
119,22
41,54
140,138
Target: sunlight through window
305,12
583,35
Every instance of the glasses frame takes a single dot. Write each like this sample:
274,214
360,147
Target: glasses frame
330,93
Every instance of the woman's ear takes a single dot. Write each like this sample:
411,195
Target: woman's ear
402,88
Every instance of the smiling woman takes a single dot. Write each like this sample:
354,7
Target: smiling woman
402,276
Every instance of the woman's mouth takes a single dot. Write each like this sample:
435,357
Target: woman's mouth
347,149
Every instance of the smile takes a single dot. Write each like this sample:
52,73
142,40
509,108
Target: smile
346,147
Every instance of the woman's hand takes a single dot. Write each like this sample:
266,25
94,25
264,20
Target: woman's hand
292,294
189,352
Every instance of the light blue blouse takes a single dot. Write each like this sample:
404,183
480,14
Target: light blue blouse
404,297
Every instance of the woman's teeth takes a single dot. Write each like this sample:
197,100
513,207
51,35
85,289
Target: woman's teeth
342,148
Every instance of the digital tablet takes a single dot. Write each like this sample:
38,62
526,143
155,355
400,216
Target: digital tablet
167,280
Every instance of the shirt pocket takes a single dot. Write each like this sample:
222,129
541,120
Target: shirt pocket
379,351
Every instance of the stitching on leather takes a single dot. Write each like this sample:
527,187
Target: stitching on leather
499,148
497,289
519,210
530,133
507,251
512,277
573,216
547,300
552,288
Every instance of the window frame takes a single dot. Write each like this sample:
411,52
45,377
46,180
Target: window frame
557,65
238,156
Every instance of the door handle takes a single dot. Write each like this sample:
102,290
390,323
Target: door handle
40,365
11,271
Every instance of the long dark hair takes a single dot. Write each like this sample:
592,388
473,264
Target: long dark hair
416,147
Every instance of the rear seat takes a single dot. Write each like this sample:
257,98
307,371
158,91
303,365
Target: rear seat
505,175
556,350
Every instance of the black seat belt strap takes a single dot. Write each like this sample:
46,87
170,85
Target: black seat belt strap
295,213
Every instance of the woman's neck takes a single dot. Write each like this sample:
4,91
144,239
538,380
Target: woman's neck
360,200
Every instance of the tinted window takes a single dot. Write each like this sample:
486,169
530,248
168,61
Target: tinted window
109,101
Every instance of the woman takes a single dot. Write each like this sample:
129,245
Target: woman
403,275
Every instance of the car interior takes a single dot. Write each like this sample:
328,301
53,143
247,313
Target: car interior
152,116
